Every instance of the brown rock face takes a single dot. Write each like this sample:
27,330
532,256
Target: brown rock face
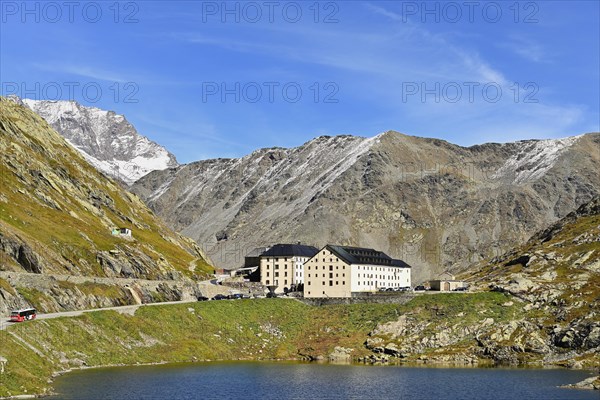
436,205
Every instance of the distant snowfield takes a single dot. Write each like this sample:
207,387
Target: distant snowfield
105,139
535,159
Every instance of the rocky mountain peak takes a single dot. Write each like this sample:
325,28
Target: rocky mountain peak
106,139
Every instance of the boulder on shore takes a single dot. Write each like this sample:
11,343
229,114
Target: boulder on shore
592,383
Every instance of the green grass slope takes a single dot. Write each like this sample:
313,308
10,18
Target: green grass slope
59,210
216,330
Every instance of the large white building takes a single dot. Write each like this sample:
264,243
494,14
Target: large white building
283,265
340,271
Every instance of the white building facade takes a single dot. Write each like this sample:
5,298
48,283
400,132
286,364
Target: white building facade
283,265
340,271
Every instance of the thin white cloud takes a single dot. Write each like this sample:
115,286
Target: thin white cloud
527,49
386,13
83,71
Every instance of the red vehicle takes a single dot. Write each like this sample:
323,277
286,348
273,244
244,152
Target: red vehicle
23,315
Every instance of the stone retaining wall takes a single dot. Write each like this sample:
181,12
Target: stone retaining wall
358,298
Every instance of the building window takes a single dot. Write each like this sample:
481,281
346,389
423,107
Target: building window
267,273
337,283
331,267
330,275
276,274
308,283
330,283
343,282
323,283
267,282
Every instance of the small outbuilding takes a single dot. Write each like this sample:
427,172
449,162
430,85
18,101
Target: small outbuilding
121,232
446,285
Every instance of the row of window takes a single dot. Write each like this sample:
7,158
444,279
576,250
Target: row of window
330,275
331,259
371,283
276,266
276,282
330,267
286,258
330,283
376,268
371,276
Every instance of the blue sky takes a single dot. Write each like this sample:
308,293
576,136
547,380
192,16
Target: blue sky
209,80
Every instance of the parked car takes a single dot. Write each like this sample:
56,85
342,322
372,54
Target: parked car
271,295
219,297
461,289
235,296
202,298
403,289
419,288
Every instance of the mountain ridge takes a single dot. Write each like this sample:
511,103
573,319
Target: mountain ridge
385,192
105,138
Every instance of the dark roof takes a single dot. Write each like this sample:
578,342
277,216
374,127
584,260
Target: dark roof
289,250
361,255
400,263
257,252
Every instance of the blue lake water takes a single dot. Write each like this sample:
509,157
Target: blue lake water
265,381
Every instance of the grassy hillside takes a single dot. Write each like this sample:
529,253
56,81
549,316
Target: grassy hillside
64,209
217,330
57,213
557,271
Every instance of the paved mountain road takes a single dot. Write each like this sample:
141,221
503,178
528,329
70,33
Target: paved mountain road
131,309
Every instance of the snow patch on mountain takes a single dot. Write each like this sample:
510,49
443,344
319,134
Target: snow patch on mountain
106,139
534,159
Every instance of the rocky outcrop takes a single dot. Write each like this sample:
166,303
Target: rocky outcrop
340,354
592,383
548,313
436,205
29,260
416,338
20,252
